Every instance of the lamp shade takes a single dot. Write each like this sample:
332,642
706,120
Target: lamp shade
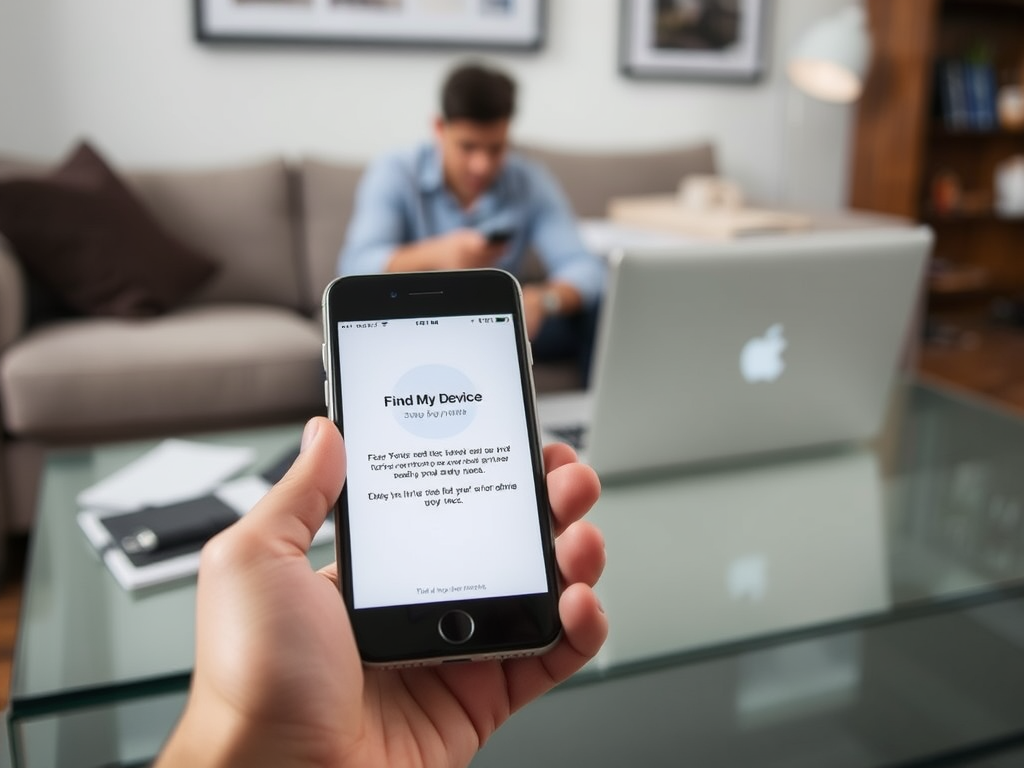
830,60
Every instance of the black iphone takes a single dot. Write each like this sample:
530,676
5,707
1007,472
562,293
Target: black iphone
444,535
499,236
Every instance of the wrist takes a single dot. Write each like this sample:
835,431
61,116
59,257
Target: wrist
551,301
218,737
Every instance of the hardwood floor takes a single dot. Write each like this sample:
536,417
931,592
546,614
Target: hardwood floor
967,352
10,605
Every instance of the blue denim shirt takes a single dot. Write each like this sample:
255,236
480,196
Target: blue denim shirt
402,198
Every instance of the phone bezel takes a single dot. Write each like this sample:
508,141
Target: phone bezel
407,635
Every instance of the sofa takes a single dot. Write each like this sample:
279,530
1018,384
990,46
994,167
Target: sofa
245,348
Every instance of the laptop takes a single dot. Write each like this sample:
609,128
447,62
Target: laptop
713,351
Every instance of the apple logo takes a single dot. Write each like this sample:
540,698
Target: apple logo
761,358
747,578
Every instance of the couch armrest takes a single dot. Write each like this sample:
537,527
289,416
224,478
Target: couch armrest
12,296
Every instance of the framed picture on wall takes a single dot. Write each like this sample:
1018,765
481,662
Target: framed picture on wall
484,24
693,39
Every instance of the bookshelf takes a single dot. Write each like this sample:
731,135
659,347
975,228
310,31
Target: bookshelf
913,158
907,145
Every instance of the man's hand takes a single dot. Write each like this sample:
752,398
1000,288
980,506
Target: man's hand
460,249
278,680
468,249
568,299
533,309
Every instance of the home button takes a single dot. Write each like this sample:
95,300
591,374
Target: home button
456,627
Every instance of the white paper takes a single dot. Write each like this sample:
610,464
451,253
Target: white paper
602,236
174,471
243,494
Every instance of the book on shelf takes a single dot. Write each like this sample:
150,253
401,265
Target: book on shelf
953,94
981,95
967,94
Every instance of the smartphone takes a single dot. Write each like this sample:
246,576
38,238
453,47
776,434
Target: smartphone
499,236
444,538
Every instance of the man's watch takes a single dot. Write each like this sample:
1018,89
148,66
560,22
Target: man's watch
551,300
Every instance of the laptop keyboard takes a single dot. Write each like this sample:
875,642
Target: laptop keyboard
574,435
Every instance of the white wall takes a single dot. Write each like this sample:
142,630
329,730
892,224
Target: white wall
129,74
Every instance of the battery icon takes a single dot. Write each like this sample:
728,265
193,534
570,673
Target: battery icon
501,319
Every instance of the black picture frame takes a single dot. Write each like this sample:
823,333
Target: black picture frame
514,25
715,40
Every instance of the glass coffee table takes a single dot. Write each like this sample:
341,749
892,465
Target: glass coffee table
100,673
853,607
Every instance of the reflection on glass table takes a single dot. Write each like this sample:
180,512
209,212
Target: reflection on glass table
845,608
717,556
851,607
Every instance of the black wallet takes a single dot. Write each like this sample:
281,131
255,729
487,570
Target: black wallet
278,469
154,534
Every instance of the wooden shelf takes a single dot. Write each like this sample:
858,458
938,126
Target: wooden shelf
939,132
973,6
969,217
904,153
958,281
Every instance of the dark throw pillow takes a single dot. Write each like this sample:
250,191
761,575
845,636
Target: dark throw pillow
82,234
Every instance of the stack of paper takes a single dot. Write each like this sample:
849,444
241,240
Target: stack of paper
179,491
664,213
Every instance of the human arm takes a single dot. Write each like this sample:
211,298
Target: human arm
573,272
278,680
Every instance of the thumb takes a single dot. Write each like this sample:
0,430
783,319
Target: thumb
293,510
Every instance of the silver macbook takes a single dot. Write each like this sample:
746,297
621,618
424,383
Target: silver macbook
706,352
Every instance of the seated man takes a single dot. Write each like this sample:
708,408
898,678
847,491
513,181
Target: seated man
465,201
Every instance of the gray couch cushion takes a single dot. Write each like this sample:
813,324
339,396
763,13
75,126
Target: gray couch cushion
242,218
591,180
327,191
211,365
12,296
82,233
11,167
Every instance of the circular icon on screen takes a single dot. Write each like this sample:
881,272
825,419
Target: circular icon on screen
434,401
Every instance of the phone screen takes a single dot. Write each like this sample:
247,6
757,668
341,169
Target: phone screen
441,489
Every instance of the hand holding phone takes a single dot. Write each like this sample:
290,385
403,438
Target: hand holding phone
286,634
444,532
462,249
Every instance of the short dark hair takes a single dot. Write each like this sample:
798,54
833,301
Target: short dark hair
477,93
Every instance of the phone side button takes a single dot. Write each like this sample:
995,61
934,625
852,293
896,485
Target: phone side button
529,352
327,395
456,627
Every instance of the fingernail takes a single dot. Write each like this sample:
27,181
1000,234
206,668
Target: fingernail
309,434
